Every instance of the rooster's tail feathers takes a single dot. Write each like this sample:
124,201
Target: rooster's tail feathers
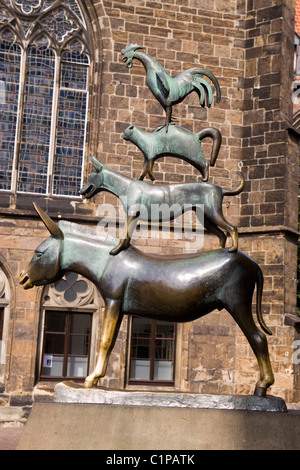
199,84
199,71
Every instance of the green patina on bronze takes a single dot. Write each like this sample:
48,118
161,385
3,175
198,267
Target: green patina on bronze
169,288
138,199
170,91
177,142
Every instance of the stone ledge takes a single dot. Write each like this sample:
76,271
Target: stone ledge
72,392
13,416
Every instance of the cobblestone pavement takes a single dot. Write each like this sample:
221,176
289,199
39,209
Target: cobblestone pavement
9,437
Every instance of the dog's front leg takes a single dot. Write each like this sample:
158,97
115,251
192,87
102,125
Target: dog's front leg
125,239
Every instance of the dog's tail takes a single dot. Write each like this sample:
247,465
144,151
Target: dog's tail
237,190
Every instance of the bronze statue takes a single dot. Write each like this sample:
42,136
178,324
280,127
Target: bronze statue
177,142
169,288
136,195
171,91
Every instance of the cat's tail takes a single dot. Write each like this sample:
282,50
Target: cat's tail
216,136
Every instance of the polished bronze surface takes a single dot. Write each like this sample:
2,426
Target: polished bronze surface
170,288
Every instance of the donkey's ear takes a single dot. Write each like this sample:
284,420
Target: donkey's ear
98,166
51,226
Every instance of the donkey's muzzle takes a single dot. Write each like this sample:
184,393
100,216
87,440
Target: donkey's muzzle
25,281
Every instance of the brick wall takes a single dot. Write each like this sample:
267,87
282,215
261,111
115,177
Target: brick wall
249,50
248,46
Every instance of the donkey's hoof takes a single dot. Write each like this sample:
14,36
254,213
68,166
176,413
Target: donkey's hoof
89,382
260,392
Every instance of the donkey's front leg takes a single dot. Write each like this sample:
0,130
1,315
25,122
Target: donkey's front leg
111,325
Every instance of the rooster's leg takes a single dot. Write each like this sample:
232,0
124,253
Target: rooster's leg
168,119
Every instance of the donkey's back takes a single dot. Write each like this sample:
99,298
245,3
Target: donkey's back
180,289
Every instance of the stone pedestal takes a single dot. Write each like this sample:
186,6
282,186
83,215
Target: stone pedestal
97,419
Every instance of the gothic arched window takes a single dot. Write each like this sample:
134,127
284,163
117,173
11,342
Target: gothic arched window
70,307
45,60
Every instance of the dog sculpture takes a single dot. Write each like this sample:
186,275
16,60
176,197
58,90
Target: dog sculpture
174,289
138,197
177,142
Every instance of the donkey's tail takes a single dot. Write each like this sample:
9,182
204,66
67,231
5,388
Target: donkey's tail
238,190
259,290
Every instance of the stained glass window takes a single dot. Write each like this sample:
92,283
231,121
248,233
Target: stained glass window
71,123
36,123
28,6
10,63
43,115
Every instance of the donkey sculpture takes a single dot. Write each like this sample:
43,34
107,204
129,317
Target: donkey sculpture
139,198
174,289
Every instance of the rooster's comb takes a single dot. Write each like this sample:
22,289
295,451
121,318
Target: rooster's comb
131,48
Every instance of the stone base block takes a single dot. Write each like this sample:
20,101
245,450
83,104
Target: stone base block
70,426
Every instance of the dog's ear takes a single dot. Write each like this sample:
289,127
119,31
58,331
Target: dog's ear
97,165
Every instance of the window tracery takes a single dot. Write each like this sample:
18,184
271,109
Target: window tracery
44,73
73,290
27,6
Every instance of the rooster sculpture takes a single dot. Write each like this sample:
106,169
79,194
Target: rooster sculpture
171,91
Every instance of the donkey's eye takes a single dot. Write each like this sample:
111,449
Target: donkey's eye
39,255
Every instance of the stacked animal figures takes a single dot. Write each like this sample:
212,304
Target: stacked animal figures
169,140
174,289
